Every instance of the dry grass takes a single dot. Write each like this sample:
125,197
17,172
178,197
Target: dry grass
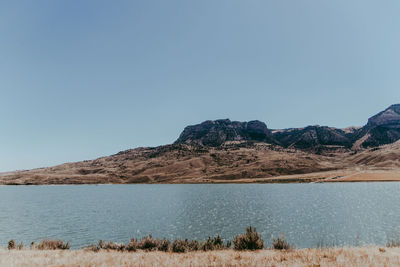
360,256
371,176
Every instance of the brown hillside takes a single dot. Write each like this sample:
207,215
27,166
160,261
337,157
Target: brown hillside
181,163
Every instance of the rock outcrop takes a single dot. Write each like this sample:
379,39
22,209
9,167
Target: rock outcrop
313,136
381,129
215,133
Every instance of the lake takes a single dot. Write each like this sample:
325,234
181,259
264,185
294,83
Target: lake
308,214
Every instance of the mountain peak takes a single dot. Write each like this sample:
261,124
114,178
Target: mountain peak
391,115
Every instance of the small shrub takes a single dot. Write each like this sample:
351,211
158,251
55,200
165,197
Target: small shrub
280,243
207,245
180,246
185,245
193,245
148,243
251,240
228,244
20,246
164,245
133,245
213,243
100,244
52,245
111,245
11,244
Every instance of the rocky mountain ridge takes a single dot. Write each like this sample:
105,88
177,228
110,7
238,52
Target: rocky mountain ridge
383,128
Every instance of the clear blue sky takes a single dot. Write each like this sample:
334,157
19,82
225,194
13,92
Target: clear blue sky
83,79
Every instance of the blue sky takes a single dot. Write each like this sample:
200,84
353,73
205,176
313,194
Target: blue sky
83,79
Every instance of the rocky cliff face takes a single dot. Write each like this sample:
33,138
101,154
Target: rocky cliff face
388,117
215,133
313,136
383,128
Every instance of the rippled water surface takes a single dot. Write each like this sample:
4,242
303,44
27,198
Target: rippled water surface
308,214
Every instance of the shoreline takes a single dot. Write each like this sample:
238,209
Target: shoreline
336,176
208,183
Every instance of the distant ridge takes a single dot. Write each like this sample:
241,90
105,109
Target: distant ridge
383,128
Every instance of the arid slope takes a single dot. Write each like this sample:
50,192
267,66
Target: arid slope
233,162
179,163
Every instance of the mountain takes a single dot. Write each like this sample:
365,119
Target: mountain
223,151
388,117
216,133
381,129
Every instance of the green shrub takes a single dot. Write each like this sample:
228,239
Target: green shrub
133,245
250,240
280,243
185,245
164,245
11,244
213,243
52,244
194,245
111,245
148,243
180,246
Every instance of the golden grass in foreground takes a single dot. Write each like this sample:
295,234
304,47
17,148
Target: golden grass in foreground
359,256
